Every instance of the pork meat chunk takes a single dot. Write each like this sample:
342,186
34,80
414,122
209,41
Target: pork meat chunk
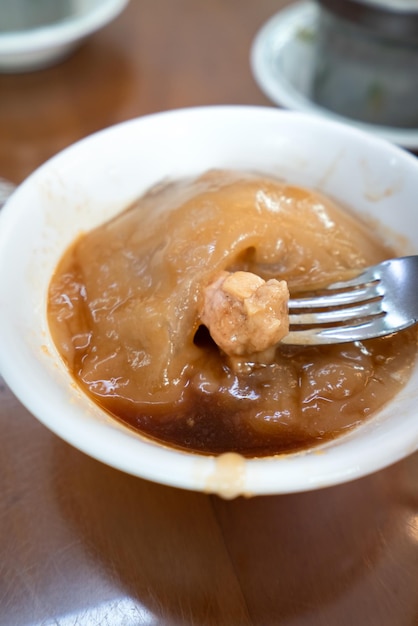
245,314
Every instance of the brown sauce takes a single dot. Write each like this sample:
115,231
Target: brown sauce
123,312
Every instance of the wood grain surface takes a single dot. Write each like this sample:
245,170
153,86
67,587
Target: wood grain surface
84,544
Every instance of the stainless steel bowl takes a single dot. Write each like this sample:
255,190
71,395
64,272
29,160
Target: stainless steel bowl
366,61
395,19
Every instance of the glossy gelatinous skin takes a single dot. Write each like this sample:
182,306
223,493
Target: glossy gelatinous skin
125,312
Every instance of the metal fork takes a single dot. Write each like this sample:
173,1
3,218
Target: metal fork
381,300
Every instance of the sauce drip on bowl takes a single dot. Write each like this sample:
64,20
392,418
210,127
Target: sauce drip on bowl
124,308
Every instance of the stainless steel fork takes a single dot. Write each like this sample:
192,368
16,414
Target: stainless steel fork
381,300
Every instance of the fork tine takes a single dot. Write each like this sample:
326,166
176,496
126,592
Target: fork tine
367,309
323,336
329,297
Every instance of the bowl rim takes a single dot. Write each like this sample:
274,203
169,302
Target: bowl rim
269,475
62,32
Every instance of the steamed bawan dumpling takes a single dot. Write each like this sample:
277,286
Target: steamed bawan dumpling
171,316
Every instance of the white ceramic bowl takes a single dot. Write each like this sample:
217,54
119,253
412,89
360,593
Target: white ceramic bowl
96,178
35,48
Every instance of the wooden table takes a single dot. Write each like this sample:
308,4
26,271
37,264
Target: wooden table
84,544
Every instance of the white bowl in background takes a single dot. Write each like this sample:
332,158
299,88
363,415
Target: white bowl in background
99,176
33,48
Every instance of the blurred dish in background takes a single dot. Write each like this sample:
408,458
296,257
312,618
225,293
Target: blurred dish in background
308,58
37,34
395,20
366,61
